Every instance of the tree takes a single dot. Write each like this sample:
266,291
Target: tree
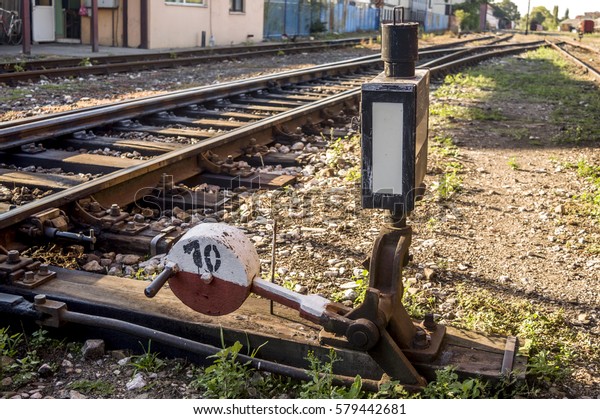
555,14
470,19
542,16
507,9
461,16
566,16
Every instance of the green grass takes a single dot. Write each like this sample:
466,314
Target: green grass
589,200
447,385
96,388
512,163
148,361
465,86
443,146
544,77
454,112
450,182
14,94
362,283
320,385
9,342
552,342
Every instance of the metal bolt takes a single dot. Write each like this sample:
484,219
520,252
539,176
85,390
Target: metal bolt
115,211
39,299
139,218
429,322
43,270
131,226
14,256
29,277
206,278
167,182
421,340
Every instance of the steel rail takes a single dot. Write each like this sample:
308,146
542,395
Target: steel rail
21,134
366,59
582,46
155,167
118,64
46,64
591,70
191,90
139,176
441,69
9,78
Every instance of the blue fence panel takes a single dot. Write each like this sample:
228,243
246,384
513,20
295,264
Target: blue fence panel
294,17
435,22
291,17
357,18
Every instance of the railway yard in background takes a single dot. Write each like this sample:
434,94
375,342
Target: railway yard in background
102,171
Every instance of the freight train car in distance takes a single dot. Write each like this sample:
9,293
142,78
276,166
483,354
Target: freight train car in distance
586,26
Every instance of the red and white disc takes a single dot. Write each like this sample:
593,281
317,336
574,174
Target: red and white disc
217,264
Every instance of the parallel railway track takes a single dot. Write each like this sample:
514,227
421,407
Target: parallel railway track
231,121
15,71
586,57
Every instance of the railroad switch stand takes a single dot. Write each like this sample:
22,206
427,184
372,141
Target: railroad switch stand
213,268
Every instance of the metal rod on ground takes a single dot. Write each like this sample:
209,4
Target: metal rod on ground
201,348
271,304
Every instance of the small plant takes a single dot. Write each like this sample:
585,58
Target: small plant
513,164
289,284
18,68
9,342
173,55
148,361
96,388
226,378
391,390
317,26
448,386
85,62
417,304
27,364
589,199
321,384
550,367
39,339
448,185
432,223
353,175
280,53
362,283
444,146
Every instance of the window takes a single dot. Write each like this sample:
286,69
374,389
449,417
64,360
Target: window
236,6
198,2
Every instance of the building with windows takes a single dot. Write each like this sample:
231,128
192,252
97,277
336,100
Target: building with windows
147,24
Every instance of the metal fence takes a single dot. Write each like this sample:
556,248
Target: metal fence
303,17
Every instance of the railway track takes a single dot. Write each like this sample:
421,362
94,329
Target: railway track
584,56
154,152
15,71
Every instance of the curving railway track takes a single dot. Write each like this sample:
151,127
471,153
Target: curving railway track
584,56
152,155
